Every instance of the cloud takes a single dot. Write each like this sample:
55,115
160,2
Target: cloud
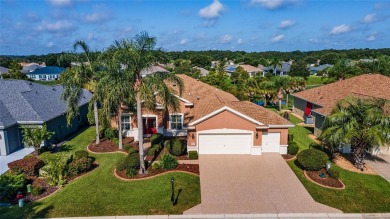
274,4
90,36
183,42
369,18
59,3
371,37
50,44
214,10
225,38
277,38
96,17
58,26
340,29
285,24
239,41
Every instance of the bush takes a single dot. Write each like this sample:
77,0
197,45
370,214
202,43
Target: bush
37,190
110,133
133,151
54,172
334,173
80,165
116,141
168,162
131,161
80,154
131,172
156,146
29,166
176,147
193,155
156,166
312,159
290,137
293,148
63,157
152,152
126,147
10,184
156,138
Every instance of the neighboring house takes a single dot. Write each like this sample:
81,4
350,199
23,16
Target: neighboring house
315,69
281,70
319,102
3,71
30,67
203,72
48,73
32,104
252,71
152,70
214,122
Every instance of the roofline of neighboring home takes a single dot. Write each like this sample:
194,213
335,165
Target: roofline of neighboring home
281,126
30,122
307,100
319,113
221,110
186,102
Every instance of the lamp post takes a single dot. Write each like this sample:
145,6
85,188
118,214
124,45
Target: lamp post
328,165
173,191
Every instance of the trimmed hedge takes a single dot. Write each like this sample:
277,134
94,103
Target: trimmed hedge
292,148
312,159
193,155
131,161
110,133
156,138
168,162
334,173
29,166
80,154
152,151
176,147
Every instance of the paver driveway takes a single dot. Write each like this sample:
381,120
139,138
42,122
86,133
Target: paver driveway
239,184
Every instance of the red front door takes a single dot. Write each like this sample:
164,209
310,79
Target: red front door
149,125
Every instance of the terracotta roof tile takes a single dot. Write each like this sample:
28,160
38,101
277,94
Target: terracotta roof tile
327,96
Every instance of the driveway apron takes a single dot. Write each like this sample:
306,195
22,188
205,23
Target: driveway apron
245,184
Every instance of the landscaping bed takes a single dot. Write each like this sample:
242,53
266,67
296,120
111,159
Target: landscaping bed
288,157
346,162
191,168
47,190
327,181
107,145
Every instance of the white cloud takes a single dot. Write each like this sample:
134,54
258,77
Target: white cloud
50,44
60,2
90,36
277,38
212,11
285,24
239,41
96,17
274,4
369,18
58,26
183,42
225,38
340,29
371,37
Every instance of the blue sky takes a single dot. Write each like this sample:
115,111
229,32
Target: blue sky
51,26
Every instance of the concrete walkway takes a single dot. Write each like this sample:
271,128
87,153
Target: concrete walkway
381,165
245,184
4,160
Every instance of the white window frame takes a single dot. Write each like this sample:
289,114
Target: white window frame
129,115
170,120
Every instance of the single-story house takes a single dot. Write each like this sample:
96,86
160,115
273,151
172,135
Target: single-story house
203,72
252,71
214,122
318,102
32,104
314,69
281,70
152,70
30,67
48,73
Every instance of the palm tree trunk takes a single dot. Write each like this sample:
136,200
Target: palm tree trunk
120,128
280,104
142,169
265,100
287,100
95,112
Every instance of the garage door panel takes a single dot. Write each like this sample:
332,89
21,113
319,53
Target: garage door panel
271,142
225,143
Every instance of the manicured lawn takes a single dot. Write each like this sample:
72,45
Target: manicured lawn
100,193
49,83
314,80
363,193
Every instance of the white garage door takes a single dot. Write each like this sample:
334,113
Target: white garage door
228,143
270,142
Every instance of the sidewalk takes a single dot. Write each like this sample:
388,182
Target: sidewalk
4,160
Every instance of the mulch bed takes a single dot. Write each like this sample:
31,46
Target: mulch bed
192,168
161,152
345,161
48,189
327,181
106,145
288,157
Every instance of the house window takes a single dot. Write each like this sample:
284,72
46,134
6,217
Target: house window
126,122
176,121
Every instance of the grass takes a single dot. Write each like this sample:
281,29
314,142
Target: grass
99,193
314,80
49,83
363,193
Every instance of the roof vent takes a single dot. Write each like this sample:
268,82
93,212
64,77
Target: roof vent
197,97
36,92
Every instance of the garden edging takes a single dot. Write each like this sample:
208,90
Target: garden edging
307,177
151,177
111,152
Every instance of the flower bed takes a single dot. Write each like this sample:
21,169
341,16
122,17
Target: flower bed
191,168
327,181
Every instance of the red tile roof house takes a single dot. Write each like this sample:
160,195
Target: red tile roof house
215,122
320,101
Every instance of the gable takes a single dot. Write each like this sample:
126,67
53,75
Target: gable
225,120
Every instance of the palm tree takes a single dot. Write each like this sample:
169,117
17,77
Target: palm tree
295,84
360,123
139,54
33,137
80,77
279,85
275,64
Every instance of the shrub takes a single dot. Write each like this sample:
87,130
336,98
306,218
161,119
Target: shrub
156,165
110,133
80,154
156,146
28,165
156,138
63,157
133,151
126,147
37,190
54,172
290,137
193,155
168,162
176,147
293,148
334,173
80,165
131,161
131,172
152,151
116,141
10,184
312,159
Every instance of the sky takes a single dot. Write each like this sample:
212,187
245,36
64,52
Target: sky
34,27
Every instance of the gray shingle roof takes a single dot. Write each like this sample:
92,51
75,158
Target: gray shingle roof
3,70
23,101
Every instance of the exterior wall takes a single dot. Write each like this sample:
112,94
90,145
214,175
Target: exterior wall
3,137
318,122
299,106
11,140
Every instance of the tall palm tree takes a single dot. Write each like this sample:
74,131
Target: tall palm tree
295,84
275,63
361,123
80,77
280,84
139,54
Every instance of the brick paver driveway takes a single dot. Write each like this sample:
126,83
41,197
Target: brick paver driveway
239,184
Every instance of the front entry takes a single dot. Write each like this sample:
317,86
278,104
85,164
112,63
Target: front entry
149,124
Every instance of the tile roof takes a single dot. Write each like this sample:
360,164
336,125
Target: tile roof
152,69
207,99
249,68
327,96
27,101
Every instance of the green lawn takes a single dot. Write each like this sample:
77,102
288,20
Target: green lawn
363,193
100,193
314,80
49,83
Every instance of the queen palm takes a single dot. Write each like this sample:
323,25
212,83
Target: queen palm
360,123
294,84
139,54
80,77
